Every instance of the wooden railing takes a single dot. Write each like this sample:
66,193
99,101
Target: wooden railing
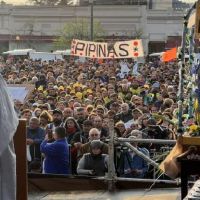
21,161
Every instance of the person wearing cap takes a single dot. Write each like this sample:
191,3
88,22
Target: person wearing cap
34,106
155,131
89,109
94,163
120,125
57,121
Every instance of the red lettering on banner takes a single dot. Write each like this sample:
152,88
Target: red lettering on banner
135,43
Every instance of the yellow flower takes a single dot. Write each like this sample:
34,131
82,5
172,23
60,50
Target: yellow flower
193,127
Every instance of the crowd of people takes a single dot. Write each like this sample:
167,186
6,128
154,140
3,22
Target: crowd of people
69,110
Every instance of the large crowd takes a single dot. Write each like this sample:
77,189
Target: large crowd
69,110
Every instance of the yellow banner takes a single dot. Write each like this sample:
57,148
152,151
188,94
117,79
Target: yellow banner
122,49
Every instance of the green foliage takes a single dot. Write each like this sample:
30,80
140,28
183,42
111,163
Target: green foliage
78,29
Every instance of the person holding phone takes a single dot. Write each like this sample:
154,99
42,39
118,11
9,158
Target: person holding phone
56,159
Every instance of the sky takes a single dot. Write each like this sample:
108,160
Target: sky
24,1
15,1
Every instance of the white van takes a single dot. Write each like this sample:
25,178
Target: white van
45,56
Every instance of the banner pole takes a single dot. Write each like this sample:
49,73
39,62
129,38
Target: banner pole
181,71
191,60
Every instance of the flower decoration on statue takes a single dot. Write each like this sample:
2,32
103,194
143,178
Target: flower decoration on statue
193,130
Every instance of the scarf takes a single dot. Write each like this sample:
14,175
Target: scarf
71,130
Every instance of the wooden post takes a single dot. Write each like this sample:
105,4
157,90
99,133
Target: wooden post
21,161
111,168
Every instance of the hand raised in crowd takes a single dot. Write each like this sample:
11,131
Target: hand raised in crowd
29,141
46,137
78,145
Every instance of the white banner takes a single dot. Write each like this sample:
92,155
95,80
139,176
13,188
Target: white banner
122,49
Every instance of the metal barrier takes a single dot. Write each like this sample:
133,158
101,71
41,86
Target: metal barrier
153,141
111,176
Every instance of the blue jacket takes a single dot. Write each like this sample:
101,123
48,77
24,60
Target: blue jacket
37,135
56,156
135,162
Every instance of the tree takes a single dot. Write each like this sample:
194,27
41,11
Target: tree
78,29
138,33
134,34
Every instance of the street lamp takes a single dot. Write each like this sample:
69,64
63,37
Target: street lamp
18,40
91,2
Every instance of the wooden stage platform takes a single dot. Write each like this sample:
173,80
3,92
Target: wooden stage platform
155,194
57,187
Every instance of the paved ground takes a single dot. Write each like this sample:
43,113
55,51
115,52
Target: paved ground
162,194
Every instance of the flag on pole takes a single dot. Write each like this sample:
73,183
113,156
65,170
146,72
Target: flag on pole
169,55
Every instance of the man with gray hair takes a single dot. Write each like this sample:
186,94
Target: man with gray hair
35,136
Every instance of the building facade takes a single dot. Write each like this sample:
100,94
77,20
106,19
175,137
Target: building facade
38,26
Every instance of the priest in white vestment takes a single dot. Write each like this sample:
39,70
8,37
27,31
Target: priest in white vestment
8,126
